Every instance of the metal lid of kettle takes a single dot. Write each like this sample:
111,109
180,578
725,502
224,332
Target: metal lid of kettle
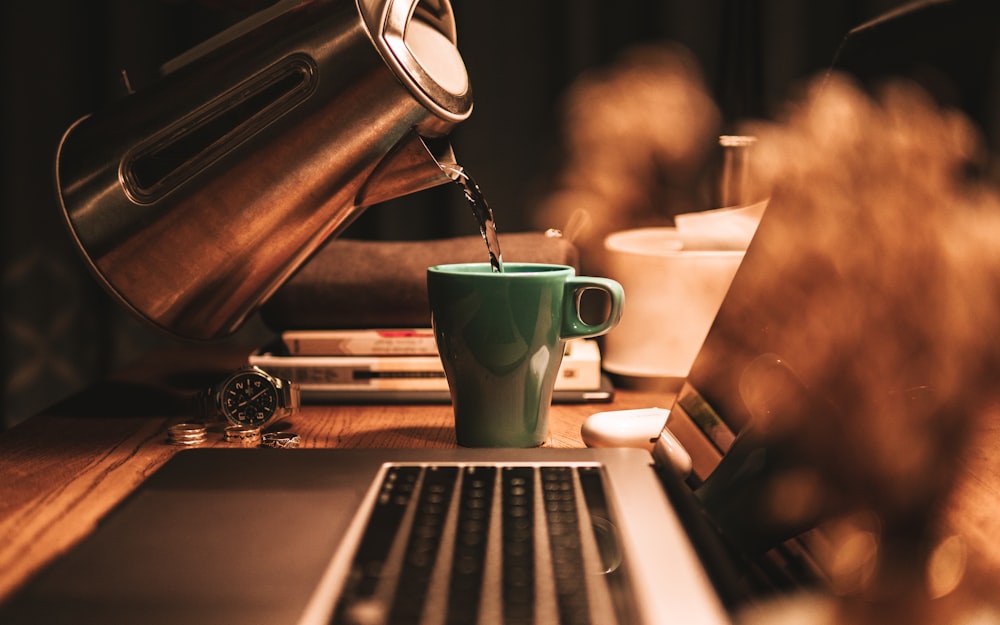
418,41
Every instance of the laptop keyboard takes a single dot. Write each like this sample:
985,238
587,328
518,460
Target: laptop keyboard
450,545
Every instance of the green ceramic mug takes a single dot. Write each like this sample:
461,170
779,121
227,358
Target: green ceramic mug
502,336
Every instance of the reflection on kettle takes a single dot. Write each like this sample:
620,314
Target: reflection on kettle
195,199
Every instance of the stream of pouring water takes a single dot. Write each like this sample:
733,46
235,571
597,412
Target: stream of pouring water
481,209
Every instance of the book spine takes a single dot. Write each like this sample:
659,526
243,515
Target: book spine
411,373
315,379
415,342
356,373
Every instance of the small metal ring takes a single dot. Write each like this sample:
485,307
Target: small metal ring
281,440
247,435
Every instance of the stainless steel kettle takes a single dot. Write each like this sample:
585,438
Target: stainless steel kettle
195,199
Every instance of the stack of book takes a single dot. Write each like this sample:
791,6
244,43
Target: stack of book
401,365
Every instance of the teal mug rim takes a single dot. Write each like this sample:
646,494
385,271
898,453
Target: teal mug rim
509,269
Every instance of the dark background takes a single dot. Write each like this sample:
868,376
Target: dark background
63,58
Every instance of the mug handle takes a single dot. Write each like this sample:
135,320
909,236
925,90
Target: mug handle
573,325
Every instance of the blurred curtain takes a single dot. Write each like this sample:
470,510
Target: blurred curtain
63,58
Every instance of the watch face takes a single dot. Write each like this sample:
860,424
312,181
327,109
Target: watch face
249,399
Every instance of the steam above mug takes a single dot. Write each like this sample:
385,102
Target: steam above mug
195,199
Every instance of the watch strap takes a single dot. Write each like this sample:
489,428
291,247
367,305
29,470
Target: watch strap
291,396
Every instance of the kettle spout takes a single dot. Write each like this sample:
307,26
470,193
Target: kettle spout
414,164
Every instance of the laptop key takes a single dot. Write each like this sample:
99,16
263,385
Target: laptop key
423,544
468,560
559,495
518,545
367,567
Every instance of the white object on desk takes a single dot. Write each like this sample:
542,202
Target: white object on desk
675,288
644,428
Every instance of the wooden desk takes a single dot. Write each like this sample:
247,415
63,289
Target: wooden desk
62,470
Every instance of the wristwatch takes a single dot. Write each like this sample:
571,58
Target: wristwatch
250,396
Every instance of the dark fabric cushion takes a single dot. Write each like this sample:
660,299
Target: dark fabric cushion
383,284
